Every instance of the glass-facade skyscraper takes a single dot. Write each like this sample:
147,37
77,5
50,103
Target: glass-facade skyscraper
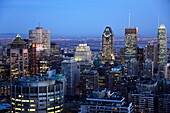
162,44
131,43
108,45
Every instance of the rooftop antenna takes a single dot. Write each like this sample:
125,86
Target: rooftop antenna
129,19
158,20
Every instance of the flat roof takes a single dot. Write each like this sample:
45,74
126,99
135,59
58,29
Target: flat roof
106,100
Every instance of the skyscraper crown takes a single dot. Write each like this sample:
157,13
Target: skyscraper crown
162,26
108,29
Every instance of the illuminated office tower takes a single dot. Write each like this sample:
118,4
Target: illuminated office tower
83,54
37,95
162,44
18,58
108,46
38,63
131,43
40,35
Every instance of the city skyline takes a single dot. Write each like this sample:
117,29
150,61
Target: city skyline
84,18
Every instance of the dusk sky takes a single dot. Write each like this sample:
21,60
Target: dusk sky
73,18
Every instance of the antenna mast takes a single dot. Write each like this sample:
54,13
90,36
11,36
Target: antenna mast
158,20
129,20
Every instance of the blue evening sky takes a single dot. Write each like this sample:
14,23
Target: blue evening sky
73,18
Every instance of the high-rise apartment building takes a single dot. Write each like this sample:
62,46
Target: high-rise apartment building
108,46
41,36
132,67
151,52
83,54
131,43
148,67
140,59
37,95
162,44
71,70
88,81
18,58
113,77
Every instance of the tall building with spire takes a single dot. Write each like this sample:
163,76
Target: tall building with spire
41,36
108,46
162,44
131,46
18,58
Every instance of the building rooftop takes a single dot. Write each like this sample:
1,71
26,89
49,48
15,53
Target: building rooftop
36,81
118,68
18,40
102,94
89,71
162,26
59,76
4,106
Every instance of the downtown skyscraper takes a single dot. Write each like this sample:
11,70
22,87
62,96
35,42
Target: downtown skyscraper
18,58
162,44
108,46
131,46
39,51
41,36
131,43
83,54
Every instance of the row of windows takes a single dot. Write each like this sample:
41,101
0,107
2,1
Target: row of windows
35,89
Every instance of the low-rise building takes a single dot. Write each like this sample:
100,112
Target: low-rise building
37,94
103,101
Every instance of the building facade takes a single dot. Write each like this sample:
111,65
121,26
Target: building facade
151,52
18,59
41,36
108,46
83,54
37,61
132,67
88,82
37,95
71,70
148,68
104,101
131,43
162,44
